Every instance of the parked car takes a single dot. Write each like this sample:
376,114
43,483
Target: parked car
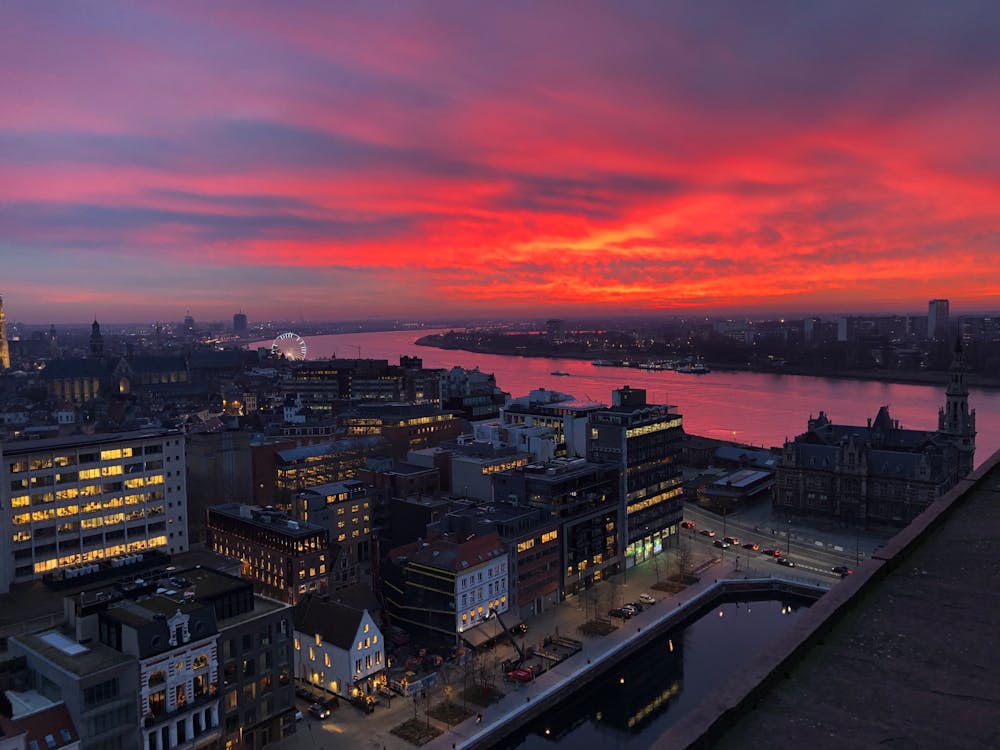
318,712
644,597
771,552
521,675
617,612
519,629
721,543
630,610
687,524
842,570
637,606
785,561
707,532
732,539
751,546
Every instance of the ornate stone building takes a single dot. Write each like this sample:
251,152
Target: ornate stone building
879,473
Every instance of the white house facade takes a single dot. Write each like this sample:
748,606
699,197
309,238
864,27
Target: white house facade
338,649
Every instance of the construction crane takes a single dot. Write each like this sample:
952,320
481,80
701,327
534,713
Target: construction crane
517,647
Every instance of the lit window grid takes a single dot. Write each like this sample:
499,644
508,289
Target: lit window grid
473,594
74,516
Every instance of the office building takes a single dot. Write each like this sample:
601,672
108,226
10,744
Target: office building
644,442
405,427
582,499
240,323
446,585
84,498
344,509
286,559
295,469
937,319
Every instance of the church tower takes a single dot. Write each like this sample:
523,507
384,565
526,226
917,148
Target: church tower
955,421
96,340
4,349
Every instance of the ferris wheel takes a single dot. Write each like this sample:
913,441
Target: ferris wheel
289,345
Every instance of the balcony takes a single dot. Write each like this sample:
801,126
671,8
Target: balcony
151,719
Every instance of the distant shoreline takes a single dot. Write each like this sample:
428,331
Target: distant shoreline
935,378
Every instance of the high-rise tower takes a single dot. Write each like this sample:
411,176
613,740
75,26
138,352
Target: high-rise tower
937,319
4,350
955,421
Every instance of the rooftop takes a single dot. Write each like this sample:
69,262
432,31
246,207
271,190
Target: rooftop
335,446
265,518
900,655
93,657
447,553
17,447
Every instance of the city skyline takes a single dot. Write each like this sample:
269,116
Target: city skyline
461,160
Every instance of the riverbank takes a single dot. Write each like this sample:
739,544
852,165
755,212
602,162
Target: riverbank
921,377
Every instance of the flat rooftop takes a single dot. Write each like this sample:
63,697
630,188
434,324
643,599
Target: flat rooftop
81,660
20,447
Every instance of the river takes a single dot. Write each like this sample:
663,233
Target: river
754,408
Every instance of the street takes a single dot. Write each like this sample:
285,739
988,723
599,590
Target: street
814,557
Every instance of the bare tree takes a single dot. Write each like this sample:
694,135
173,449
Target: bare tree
684,560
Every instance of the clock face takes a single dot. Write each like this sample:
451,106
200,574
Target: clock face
289,345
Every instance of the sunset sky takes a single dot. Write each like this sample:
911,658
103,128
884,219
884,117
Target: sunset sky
418,159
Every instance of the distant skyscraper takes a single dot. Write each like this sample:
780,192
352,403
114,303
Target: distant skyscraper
937,319
188,324
240,322
4,350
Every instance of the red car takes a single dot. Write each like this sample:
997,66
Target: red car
521,675
687,524
771,552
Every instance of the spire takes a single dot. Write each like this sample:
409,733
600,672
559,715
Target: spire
4,349
96,339
956,421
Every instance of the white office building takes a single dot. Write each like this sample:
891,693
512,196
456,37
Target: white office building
69,504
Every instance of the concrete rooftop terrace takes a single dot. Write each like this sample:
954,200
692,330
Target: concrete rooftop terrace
904,654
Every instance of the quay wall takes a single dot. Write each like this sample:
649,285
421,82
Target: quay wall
596,659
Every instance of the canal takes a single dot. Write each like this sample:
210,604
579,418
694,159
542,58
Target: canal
635,702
